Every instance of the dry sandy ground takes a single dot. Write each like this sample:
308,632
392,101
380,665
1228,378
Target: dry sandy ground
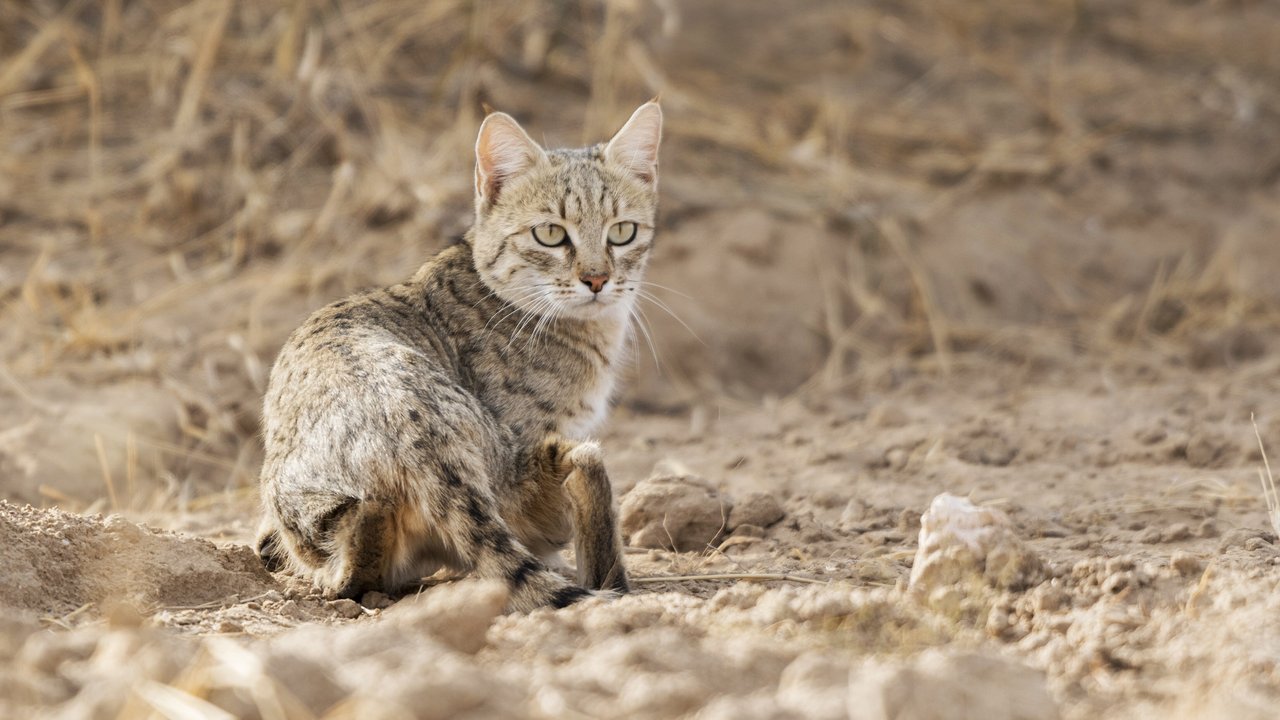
1020,252
1145,584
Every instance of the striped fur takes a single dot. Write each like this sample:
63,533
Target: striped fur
444,421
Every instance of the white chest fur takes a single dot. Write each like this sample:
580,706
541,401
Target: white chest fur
598,393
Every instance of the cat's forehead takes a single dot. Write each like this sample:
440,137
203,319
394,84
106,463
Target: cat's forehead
591,155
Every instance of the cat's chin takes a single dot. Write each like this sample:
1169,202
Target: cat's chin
596,309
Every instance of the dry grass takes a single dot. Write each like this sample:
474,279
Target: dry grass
1268,482
181,182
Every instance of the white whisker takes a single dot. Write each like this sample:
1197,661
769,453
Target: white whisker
664,287
663,307
641,322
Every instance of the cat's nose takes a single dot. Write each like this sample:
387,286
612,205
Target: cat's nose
595,281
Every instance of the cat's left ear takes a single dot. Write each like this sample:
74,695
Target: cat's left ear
635,147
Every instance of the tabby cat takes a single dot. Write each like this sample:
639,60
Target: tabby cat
443,421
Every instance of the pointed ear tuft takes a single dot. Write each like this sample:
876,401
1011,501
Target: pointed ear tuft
635,147
503,151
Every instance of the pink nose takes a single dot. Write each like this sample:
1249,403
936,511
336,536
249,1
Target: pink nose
595,281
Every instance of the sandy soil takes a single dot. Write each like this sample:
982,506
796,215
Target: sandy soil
1020,253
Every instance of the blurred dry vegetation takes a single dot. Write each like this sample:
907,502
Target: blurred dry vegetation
851,191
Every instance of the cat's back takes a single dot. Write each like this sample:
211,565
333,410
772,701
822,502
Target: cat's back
355,366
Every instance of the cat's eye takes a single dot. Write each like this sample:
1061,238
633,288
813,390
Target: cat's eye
622,233
550,235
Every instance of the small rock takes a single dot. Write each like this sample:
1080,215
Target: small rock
1175,533
757,508
1206,449
816,535
349,609
1117,582
988,447
748,530
673,512
291,609
855,514
1149,536
1153,436
908,520
959,540
1082,542
1254,544
1051,598
886,415
230,626
1185,564
1207,529
998,622
375,600
1119,564
896,458
1240,537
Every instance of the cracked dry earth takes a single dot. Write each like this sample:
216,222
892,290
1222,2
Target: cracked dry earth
1127,571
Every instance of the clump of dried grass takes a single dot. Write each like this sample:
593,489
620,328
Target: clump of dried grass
254,159
1268,482
166,158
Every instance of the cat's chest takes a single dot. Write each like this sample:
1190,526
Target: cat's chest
591,410
568,393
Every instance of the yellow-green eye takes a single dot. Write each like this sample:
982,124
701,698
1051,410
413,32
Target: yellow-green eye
550,235
622,233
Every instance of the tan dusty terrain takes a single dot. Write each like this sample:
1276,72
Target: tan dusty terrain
1021,253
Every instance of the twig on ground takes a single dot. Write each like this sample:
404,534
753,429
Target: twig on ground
733,576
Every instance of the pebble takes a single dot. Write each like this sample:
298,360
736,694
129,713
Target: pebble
758,508
673,512
349,609
1050,598
1254,544
1185,564
1149,536
1241,537
886,415
1207,450
375,600
1117,582
908,520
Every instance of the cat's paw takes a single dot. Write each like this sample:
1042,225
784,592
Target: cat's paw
586,455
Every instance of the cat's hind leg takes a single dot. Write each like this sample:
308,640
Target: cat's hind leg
269,546
467,518
347,545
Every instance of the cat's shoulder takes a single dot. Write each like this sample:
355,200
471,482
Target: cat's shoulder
454,261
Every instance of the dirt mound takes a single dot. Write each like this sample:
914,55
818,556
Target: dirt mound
55,562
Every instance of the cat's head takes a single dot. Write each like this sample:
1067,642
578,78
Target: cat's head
566,232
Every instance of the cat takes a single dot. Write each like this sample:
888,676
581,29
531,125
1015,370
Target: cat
443,421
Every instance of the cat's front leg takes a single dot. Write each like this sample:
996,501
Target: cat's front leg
596,543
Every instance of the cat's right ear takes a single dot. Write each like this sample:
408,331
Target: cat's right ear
503,151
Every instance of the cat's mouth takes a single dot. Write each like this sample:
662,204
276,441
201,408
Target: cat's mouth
593,306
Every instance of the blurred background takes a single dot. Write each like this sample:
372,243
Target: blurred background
852,193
